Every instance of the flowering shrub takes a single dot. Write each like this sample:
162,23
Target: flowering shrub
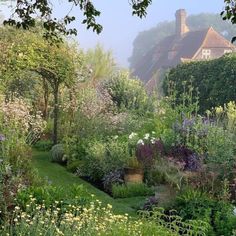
94,220
192,133
185,158
19,127
150,203
113,177
17,114
148,149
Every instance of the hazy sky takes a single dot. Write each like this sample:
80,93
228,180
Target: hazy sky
119,26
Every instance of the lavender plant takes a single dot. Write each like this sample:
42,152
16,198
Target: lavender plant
114,177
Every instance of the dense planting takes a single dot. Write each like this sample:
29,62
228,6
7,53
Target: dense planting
98,122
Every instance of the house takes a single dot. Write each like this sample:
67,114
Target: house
183,46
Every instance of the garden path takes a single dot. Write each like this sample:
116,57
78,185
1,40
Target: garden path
59,176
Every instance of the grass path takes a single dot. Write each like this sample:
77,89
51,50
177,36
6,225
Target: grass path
59,176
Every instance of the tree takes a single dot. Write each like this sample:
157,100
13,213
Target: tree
26,11
229,13
56,64
101,63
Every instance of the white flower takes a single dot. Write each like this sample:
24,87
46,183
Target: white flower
140,141
132,135
115,137
234,211
153,140
153,132
146,136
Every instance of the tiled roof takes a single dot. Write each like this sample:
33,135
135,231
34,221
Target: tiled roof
173,50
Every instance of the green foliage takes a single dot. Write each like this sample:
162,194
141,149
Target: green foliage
213,82
25,17
228,13
95,219
196,205
164,172
73,165
131,190
50,195
93,161
175,223
220,146
43,145
133,163
102,157
128,93
100,62
116,155
58,153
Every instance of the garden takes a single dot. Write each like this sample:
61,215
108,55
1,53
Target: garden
86,150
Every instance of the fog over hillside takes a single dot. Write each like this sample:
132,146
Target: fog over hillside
120,28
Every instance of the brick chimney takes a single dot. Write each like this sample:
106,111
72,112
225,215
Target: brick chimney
180,23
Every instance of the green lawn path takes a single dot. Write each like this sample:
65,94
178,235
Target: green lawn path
59,176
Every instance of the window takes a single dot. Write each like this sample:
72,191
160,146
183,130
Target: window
206,53
227,51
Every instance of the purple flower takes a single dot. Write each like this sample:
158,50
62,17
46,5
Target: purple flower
2,137
188,123
147,152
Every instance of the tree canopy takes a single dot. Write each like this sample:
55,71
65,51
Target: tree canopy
25,13
27,51
229,13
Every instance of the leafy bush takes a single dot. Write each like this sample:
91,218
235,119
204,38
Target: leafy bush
131,190
220,146
50,195
214,79
95,219
103,157
186,158
150,203
164,172
148,151
176,223
116,154
74,165
114,177
58,154
128,93
195,205
93,162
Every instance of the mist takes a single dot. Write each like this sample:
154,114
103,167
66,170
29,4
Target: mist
120,28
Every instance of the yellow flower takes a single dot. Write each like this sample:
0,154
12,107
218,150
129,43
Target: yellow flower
219,110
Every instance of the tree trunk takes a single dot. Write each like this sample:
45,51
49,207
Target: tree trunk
56,114
45,98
